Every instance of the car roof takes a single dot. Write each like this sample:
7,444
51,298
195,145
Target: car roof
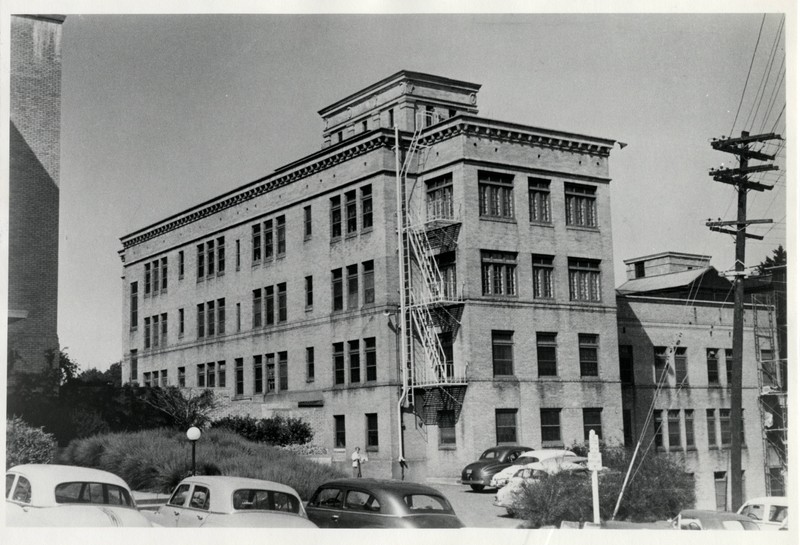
505,448
548,452
45,477
772,500
710,514
385,485
222,488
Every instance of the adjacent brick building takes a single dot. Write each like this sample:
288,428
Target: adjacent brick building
283,295
35,107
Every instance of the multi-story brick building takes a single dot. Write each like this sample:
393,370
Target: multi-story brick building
284,295
675,345
35,108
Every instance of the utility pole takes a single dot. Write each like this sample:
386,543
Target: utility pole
738,177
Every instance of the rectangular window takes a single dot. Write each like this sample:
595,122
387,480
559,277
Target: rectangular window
181,264
351,212
164,274
711,423
155,330
506,425
587,349
201,321
238,254
551,426
729,365
721,489
626,363
221,316
258,374
592,420
499,273
239,376
282,310
681,364
164,378
307,222
211,317
440,198
134,306
310,364
446,340
688,415
147,332
338,363
280,232
725,427
446,420
221,255
336,218
269,247
238,317
257,308
181,322
368,269
164,329
660,363
674,429
366,207
256,243
712,363
270,373
355,361
134,376
201,262
210,257
156,278
658,436
309,292
372,431
147,278
542,276
352,286
371,359
336,287
339,438
182,377
269,296
539,200
146,379
201,375
283,370
581,205
221,374
496,195
503,353
546,354
584,280
211,375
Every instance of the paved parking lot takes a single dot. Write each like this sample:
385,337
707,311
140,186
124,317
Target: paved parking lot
475,509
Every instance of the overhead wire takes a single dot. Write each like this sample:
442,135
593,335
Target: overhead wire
747,80
765,77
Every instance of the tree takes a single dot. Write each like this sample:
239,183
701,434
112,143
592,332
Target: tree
184,411
778,259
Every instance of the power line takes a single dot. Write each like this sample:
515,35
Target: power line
765,77
755,49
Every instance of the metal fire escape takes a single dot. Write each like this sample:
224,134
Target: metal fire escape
772,390
430,303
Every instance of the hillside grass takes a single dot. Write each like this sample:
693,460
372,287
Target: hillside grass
156,460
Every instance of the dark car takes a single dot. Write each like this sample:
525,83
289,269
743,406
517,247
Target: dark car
380,503
700,519
479,474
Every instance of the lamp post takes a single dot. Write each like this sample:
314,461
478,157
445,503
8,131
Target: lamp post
193,434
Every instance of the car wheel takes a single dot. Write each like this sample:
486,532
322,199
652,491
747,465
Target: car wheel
477,487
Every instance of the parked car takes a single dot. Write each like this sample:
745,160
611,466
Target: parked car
700,519
216,501
770,512
532,456
380,503
508,495
478,475
58,495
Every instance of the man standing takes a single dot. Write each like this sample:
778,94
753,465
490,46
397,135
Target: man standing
357,459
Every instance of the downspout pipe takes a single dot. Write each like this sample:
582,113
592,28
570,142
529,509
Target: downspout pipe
402,281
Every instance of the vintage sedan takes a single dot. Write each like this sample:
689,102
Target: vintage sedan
478,475
700,519
508,495
769,512
218,501
58,495
552,455
380,503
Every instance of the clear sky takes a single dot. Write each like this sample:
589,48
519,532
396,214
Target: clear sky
160,113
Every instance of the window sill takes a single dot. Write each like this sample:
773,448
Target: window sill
180,277
371,449
498,219
306,239
366,230
309,308
505,378
336,240
553,444
583,228
542,224
448,447
548,377
309,380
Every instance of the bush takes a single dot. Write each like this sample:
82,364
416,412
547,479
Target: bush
27,445
156,460
276,430
658,490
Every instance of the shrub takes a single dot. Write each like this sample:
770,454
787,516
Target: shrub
156,460
27,445
276,430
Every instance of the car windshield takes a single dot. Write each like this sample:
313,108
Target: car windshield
265,500
490,454
427,503
95,493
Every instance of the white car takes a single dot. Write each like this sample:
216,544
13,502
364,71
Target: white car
770,512
232,502
57,495
507,496
532,456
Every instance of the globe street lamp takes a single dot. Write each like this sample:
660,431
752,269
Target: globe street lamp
193,434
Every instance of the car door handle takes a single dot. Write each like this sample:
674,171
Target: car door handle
176,513
335,518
